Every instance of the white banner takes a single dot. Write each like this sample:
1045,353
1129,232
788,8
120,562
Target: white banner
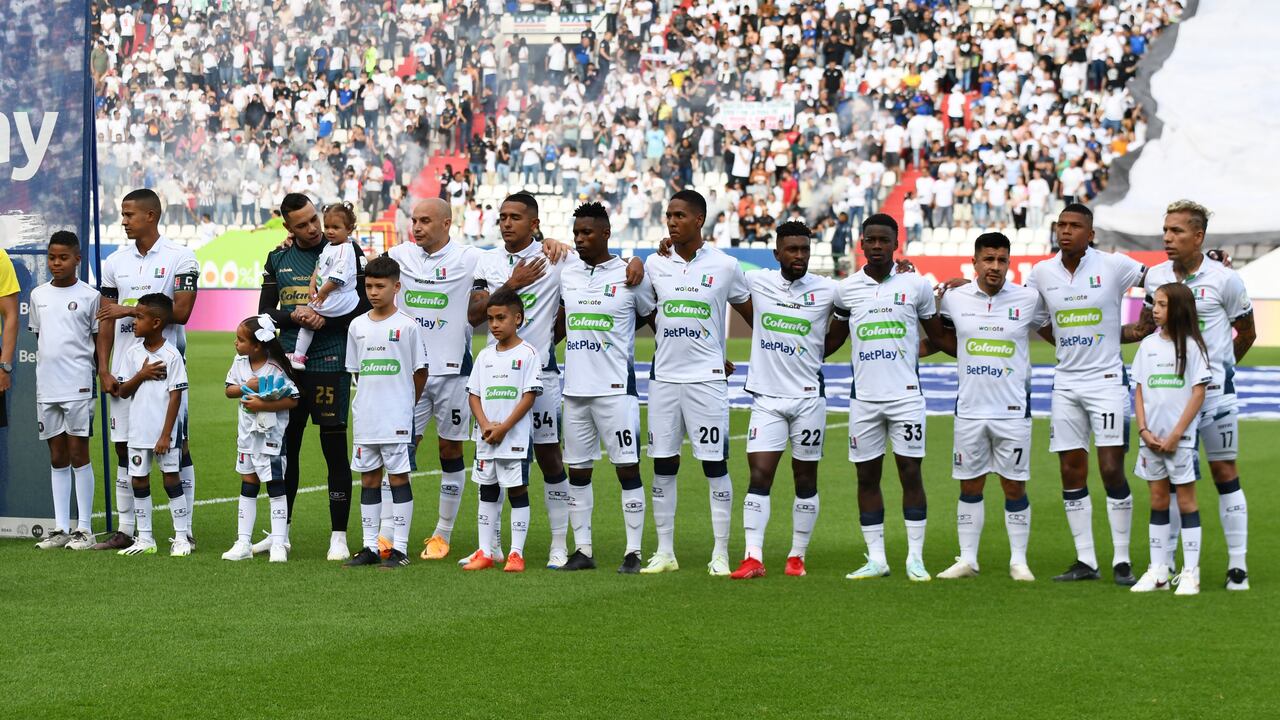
736,114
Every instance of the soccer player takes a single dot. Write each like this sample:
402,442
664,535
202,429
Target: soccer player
520,266
884,309
504,385
63,314
386,357
988,325
154,376
791,314
688,389
149,264
598,318
1222,306
1082,290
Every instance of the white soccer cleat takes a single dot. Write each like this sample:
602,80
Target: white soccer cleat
1188,582
80,540
55,539
1019,572
139,547
262,545
916,572
1155,578
719,566
555,560
181,547
872,569
338,549
961,569
279,553
663,563
239,551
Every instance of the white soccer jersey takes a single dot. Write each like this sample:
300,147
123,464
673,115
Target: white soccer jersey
131,275
385,354
500,379
788,333
1084,309
541,299
1221,299
600,327
992,339
251,436
148,406
692,299
884,332
339,264
1165,394
64,320
435,290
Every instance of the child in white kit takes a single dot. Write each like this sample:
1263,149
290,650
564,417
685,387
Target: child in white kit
333,284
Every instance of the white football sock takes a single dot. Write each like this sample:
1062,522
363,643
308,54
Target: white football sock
557,498
370,514
451,485
187,475
84,497
247,516
1191,547
1158,539
755,518
279,507
142,516
581,504
1174,532
1233,510
1080,520
633,517
519,528
664,512
721,493
303,344
386,517
1018,524
804,515
497,522
124,501
60,479
874,537
1120,516
181,517
402,518
915,539
970,517
488,515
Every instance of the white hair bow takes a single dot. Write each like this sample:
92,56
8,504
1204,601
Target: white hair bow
266,331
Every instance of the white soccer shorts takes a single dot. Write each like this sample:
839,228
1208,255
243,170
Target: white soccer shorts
266,467
73,417
871,423
701,409
1001,446
613,419
1077,411
1219,428
141,459
445,399
118,419
392,456
504,472
546,410
1180,467
775,420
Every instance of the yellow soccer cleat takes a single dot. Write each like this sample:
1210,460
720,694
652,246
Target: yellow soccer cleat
437,548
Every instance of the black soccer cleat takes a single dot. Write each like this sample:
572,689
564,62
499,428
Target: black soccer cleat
364,557
579,561
1077,571
1237,579
1122,573
395,560
630,564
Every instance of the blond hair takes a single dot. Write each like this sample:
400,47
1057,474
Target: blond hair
1199,213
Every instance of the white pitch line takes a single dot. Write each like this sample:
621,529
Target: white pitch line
420,473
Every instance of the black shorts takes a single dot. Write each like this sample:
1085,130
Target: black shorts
326,397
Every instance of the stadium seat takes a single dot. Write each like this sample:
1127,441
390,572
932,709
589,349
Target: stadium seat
933,248
1023,236
915,247
926,235
960,237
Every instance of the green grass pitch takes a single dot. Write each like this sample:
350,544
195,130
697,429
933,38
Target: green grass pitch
95,635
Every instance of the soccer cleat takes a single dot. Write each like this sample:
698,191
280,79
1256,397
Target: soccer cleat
139,547
660,563
179,547
55,539
556,560
961,569
363,558
750,568
191,540
719,566
872,569
239,551
1237,579
1188,582
437,548
478,561
1020,572
338,549
80,540
578,561
385,546
395,559
515,563
916,572
1122,573
464,560
1077,571
630,564
262,545
117,541
297,360
795,566
279,553
1155,578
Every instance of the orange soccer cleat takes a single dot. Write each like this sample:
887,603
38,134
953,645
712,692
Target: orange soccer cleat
479,561
515,563
385,547
437,548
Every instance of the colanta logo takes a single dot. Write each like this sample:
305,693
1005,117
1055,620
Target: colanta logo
889,330
529,300
990,348
1079,317
590,321
786,324
501,392
380,367
424,300
1168,381
686,309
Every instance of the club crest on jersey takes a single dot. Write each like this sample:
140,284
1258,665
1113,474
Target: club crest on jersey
1095,282
1015,313
899,298
610,290
517,364
708,280
160,272
810,298
72,305
393,336
442,273
1202,293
